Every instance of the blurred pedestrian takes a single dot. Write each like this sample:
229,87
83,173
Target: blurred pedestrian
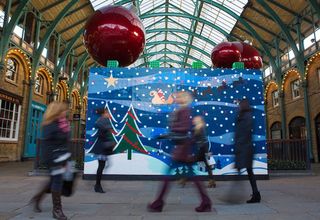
201,141
244,148
56,134
180,128
104,145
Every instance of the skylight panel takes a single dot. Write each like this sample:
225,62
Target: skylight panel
148,5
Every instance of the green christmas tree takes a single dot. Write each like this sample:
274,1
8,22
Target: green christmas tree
130,134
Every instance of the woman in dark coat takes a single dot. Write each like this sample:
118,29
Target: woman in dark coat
244,147
103,146
200,139
56,134
181,126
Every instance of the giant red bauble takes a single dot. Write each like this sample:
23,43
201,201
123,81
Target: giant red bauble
114,33
224,55
249,55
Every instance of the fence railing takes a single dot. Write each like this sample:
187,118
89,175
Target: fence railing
76,147
291,154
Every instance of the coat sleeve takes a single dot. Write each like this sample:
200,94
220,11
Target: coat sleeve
103,124
183,122
243,133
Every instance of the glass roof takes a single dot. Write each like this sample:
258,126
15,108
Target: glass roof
179,32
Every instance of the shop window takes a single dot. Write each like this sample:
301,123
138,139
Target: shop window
39,84
276,131
297,128
12,70
275,98
295,89
9,120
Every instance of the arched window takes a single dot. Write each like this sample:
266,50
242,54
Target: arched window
275,130
39,84
12,70
60,95
297,128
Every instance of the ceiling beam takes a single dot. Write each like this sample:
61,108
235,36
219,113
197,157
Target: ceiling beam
73,25
265,29
54,4
276,3
268,16
78,9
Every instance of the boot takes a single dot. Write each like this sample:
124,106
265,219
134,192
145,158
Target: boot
98,188
182,182
156,206
57,212
205,205
256,198
38,197
212,184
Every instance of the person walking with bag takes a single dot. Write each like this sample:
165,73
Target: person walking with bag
180,128
200,139
56,133
244,148
104,145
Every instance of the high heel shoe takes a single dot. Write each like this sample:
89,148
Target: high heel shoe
256,198
156,206
204,207
98,189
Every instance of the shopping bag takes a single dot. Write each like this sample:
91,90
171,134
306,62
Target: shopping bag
69,179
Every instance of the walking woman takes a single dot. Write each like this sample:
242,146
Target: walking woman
56,133
201,141
244,147
103,146
181,126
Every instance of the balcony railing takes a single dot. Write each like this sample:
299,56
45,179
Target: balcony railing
288,154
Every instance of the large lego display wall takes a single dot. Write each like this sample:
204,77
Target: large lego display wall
140,101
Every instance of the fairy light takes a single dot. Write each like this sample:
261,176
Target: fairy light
46,72
286,75
311,60
21,54
268,87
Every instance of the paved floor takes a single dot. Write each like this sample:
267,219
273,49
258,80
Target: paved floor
292,197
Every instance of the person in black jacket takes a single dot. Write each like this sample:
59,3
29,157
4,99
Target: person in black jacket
56,134
103,146
244,147
201,141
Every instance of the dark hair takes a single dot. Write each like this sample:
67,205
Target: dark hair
244,105
101,111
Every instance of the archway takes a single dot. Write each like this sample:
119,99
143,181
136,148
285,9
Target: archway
297,128
275,131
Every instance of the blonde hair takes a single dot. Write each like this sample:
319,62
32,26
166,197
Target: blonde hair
186,97
54,111
199,123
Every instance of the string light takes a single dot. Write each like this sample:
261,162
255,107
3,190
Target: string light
286,75
21,54
267,88
311,60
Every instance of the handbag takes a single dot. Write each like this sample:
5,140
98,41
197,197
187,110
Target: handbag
69,179
108,147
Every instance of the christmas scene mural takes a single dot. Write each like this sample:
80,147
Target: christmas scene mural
140,100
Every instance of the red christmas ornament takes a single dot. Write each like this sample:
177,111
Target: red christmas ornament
224,55
114,33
